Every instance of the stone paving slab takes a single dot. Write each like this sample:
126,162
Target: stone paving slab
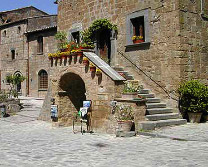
33,143
38,144
190,131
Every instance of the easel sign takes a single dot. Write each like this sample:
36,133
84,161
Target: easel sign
87,103
54,111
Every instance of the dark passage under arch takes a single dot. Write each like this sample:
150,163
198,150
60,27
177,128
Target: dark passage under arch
74,88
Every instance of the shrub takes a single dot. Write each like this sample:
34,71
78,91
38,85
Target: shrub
193,97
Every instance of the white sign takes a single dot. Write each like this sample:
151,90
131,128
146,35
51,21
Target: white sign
54,111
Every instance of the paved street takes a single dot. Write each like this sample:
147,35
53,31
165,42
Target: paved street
35,143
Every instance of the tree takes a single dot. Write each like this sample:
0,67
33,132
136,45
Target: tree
13,81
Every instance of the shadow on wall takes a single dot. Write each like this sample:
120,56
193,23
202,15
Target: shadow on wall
74,88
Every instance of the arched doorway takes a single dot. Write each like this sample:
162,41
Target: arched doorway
73,87
19,85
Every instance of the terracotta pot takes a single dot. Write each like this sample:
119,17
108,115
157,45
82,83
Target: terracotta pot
85,62
138,41
93,69
81,47
98,72
80,53
125,125
194,117
64,57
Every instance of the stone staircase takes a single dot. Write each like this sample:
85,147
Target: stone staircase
157,113
124,73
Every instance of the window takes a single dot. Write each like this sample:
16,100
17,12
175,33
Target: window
13,54
138,29
19,30
4,33
75,37
43,79
137,24
40,44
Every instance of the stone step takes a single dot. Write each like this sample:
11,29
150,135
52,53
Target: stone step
153,100
150,95
151,125
153,111
157,117
155,105
118,68
124,72
144,91
129,77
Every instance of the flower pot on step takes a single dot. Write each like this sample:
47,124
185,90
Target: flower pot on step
125,125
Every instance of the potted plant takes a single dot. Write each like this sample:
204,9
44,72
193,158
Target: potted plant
193,100
131,90
92,67
79,53
85,61
137,39
89,35
125,117
50,56
98,71
62,40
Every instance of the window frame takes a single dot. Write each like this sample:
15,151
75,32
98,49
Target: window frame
13,54
130,27
40,44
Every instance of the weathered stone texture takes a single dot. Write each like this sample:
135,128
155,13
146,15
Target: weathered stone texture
22,37
19,14
16,41
178,38
39,61
101,92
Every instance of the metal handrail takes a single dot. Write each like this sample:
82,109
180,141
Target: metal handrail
165,90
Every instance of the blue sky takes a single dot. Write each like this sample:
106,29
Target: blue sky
46,5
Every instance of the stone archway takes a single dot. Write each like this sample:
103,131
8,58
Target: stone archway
71,95
19,85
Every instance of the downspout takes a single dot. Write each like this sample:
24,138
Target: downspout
28,68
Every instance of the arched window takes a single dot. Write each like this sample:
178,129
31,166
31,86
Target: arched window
43,79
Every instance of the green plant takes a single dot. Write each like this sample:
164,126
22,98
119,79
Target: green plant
13,81
124,112
61,37
88,35
3,96
129,87
193,97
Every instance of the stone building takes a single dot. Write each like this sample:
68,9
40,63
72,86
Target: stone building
174,49
26,37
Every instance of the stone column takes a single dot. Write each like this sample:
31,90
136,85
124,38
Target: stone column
113,47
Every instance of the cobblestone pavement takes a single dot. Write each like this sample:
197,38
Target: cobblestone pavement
36,143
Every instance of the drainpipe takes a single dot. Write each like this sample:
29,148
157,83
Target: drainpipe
28,68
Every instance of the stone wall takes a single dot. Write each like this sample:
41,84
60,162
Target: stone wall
71,75
168,57
39,61
19,14
194,43
17,41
